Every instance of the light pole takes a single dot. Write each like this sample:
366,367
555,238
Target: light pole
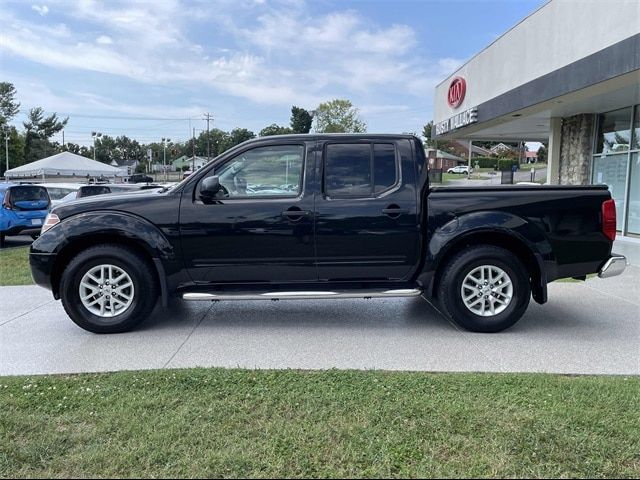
95,135
6,145
164,145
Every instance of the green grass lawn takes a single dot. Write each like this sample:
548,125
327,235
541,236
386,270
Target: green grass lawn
14,267
239,423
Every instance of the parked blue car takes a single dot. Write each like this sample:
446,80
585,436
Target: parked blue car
24,208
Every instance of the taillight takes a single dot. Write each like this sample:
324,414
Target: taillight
609,219
51,220
6,201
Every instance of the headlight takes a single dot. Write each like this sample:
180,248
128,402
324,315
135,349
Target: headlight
51,220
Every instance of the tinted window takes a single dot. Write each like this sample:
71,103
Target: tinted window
614,131
263,172
348,170
384,166
28,194
91,191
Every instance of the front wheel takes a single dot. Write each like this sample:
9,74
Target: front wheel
484,289
108,289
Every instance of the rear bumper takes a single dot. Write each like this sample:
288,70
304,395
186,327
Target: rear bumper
612,267
21,230
41,267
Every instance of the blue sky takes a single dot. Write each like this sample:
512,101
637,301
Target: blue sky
150,69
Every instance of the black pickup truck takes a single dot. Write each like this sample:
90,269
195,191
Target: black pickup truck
323,216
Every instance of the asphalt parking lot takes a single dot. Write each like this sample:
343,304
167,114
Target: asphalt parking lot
586,328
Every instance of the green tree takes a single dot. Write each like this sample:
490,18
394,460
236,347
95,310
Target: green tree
16,149
426,134
442,145
38,130
239,135
219,141
542,154
301,120
9,108
274,129
339,116
106,150
127,149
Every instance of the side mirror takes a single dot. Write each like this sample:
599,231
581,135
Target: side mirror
210,187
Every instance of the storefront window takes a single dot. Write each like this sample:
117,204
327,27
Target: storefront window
633,223
614,133
612,171
635,140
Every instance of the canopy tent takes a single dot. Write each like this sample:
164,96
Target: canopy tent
65,164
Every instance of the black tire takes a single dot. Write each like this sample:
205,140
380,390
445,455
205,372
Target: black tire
139,270
450,285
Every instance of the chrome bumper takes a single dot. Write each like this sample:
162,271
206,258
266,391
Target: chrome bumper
614,266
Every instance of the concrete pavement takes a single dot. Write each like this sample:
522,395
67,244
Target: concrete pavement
586,328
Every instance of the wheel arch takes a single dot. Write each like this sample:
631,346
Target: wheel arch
498,237
80,232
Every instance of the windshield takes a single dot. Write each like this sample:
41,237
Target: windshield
58,193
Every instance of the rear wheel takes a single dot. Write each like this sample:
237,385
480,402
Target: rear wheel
108,289
484,289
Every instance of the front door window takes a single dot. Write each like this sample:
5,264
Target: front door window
274,171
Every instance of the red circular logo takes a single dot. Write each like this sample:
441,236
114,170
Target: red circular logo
456,92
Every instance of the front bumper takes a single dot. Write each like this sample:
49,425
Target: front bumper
612,267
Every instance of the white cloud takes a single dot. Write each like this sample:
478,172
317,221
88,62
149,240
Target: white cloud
42,10
104,40
268,54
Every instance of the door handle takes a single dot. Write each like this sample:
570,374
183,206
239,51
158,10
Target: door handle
295,214
395,211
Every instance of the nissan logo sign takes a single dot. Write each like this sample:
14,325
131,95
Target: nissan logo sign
456,92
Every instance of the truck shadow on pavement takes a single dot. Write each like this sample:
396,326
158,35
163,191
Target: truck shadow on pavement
319,314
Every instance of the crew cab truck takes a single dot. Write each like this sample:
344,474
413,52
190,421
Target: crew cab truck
323,216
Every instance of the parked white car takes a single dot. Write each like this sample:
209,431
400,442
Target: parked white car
59,191
460,169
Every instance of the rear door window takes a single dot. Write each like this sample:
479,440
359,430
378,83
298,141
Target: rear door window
359,169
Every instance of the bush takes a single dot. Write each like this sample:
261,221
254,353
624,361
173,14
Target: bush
504,164
484,162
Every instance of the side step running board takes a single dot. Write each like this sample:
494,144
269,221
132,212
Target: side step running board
311,295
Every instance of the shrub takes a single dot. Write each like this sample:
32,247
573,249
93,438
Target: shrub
504,164
485,162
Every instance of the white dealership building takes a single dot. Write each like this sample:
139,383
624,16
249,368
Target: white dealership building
568,74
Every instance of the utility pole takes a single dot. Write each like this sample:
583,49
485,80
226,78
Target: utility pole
164,144
6,145
193,151
95,135
470,149
208,117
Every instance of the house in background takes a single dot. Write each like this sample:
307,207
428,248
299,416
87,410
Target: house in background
462,149
501,149
189,163
127,167
531,157
443,160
